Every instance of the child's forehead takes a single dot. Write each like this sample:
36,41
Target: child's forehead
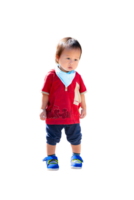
71,51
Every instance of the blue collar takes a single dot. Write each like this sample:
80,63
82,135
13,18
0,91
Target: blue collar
65,77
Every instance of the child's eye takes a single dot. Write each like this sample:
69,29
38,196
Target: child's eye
75,59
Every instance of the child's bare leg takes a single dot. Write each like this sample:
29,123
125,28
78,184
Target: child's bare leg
76,148
50,149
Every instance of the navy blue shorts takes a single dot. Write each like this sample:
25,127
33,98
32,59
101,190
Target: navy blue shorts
72,131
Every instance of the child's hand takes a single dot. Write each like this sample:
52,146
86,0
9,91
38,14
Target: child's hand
83,113
43,115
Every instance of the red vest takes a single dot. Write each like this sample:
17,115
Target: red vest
64,103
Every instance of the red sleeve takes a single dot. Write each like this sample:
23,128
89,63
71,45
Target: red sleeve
83,88
47,84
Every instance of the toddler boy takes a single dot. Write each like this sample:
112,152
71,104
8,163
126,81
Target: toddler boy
62,96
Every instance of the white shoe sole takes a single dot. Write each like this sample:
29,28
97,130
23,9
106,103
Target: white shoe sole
52,171
76,168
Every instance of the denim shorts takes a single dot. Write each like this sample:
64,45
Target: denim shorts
72,131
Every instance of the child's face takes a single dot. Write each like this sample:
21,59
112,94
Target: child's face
69,59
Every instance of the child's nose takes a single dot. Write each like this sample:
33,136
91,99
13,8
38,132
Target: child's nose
71,61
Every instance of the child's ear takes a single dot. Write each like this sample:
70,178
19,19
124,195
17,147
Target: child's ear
57,58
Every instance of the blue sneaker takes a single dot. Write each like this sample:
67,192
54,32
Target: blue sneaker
51,162
76,162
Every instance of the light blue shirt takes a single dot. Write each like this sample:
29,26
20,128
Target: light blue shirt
65,77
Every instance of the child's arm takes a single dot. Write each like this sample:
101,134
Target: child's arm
83,103
83,112
45,99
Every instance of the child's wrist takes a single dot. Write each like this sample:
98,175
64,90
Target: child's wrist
42,109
